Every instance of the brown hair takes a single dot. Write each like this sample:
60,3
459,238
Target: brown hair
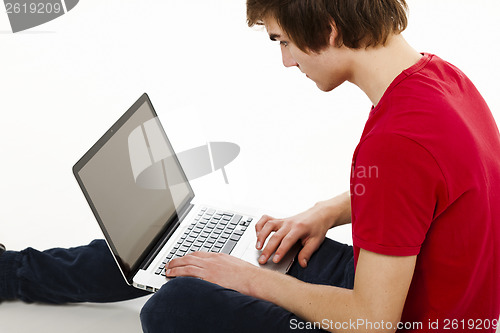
359,23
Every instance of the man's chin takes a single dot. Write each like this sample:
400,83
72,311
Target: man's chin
327,88
324,88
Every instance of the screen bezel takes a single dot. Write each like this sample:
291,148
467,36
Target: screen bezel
173,221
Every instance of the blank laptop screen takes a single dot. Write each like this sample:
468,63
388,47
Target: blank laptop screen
134,184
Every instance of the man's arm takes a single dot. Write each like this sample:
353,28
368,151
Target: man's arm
338,208
380,289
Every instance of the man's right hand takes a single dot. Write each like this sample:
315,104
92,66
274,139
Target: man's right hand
309,227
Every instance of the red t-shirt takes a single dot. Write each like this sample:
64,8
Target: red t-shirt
426,181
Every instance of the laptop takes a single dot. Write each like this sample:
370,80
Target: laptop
146,208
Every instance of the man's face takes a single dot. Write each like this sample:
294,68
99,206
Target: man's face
328,69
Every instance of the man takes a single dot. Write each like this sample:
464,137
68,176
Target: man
425,222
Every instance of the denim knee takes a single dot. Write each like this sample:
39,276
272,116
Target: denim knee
174,307
187,304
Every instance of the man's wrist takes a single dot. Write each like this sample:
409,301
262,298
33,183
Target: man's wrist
257,282
336,211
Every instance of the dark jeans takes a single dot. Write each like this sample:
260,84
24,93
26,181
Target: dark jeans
89,274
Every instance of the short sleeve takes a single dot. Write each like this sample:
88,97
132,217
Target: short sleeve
395,188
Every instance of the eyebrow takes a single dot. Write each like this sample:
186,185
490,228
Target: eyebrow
274,37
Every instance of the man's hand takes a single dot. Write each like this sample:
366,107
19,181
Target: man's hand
222,269
309,227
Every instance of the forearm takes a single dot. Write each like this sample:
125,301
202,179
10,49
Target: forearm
314,303
337,210
374,305
378,297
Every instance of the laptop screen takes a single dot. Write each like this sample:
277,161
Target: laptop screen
134,184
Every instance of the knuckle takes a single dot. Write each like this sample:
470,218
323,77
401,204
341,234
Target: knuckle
289,238
275,223
300,225
267,228
300,228
262,221
271,223
264,218
277,236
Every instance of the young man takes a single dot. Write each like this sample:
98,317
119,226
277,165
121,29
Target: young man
425,223
425,226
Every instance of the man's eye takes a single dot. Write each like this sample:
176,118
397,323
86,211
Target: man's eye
283,43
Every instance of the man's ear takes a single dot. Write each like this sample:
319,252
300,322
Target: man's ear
333,35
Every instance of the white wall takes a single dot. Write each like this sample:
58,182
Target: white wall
210,78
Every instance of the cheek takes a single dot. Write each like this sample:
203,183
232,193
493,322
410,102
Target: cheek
314,67
302,59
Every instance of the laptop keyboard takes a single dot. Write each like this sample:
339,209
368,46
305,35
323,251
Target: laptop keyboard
211,231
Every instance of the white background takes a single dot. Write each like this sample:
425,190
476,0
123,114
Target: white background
210,78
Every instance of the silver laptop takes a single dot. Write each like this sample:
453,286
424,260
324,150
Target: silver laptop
146,208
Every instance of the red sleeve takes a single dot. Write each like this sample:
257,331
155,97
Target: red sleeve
395,188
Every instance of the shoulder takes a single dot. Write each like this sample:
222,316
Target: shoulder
431,80
390,148
389,161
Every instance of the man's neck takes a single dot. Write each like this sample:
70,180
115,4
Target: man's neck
375,68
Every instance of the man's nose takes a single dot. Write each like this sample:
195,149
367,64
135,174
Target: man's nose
288,60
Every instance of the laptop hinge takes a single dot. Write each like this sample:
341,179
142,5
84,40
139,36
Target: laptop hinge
149,259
